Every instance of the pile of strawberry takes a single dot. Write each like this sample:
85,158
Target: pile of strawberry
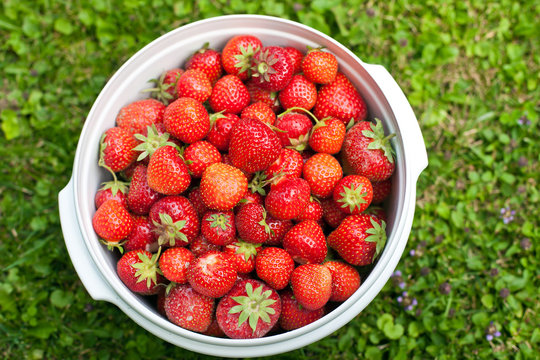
249,182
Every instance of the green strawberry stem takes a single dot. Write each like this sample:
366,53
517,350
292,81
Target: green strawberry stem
254,306
297,108
150,143
159,91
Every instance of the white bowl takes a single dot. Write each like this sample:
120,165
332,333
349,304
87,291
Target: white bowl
96,266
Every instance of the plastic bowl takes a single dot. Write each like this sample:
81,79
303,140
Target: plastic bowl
96,266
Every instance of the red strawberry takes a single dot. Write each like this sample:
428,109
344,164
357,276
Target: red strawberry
260,111
272,68
313,211
175,221
319,66
200,155
116,149
220,133
218,227
208,61
200,246
353,194
377,211
306,243
288,199
345,280
164,89
295,128
300,92
229,95
167,173
254,146
381,190
327,136
322,172
187,120
141,236
141,197
242,254
115,190
279,229
212,274
195,198
296,58
138,271
112,222
214,330
341,100
294,315
312,285
136,116
222,186
358,239
174,263
249,310
249,198
251,224
288,165
257,94
194,84
188,309
332,214
237,54
274,266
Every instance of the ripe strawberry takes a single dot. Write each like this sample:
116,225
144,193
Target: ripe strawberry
164,89
377,211
288,199
279,229
295,128
381,190
174,263
306,243
250,197
212,274
138,271
353,194
141,236
289,164
195,198
341,100
312,285
242,254
358,239
322,172
257,94
237,54
300,92
200,155
151,139
214,330
220,132
250,310
313,211
319,66
175,221
141,197
200,246
188,309
254,146
332,214
296,58
294,315
260,111
251,224
272,68
218,227
116,149
345,280
167,173
327,136
115,190
136,116
222,186
187,120
208,61
274,266
229,95
112,222
194,84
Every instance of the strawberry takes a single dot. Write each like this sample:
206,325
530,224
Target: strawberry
377,211
259,110
112,222
242,254
116,190
288,199
141,236
220,133
237,54
151,139
312,285
332,213
194,84
294,315
358,239
218,227
250,197
368,151
306,243
214,330
381,190
188,309
272,68
296,58
353,194
186,119
141,197
212,274
195,198
300,92
341,100
164,89
136,116
319,66
327,136
257,94
208,61
249,310
274,266
116,149
294,130
345,280
322,172
138,271
313,211
222,186
229,95
200,246
200,155
175,221
251,224
167,173
288,165
254,146
278,230
174,263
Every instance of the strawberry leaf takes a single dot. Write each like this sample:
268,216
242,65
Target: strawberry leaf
379,140
377,235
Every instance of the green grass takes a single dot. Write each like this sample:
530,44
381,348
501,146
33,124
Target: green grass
470,70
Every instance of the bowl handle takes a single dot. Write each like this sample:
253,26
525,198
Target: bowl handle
408,124
80,257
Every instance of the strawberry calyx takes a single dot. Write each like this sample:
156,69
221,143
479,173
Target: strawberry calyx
218,221
111,245
215,116
263,223
380,141
352,197
247,249
263,65
151,142
159,91
147,269
260,180
253,306
377,234
169,231
244,58
115,186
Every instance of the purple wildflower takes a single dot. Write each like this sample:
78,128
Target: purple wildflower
412,252
507,215
524,120
396,273
497,333
489,337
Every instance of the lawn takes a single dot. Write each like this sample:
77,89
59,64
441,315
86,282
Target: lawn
467,284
